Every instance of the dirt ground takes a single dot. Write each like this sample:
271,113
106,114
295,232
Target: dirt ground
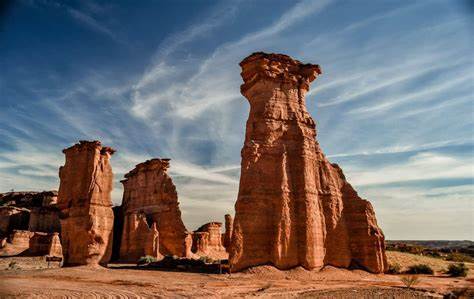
264,281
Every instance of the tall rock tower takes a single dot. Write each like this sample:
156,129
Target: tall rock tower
149,193
294,207
85,204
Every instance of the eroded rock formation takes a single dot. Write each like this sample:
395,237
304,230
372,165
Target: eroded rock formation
207,241
23,217
27,243
85,204
294,207
18,242
140,239
45,244
150,198
33,211
13,218
229,223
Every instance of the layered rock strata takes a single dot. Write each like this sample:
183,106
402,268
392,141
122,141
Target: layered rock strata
84,199
207,241
150,197
17,243
33,211
45,244
27,243
294,207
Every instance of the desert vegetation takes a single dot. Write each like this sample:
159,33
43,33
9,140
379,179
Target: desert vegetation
409,281
420,269
457,270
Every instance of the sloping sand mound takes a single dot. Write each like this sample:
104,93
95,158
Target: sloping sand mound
298,273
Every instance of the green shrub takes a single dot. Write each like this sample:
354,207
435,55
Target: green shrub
457,270
394,268
409,281
207,259
420,269
459,257
146,260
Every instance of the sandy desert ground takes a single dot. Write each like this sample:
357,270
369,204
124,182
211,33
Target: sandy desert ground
265,282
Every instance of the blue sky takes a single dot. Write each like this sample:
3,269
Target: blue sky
394,106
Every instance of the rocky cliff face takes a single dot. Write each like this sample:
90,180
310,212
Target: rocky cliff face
150,192
85,204
29,210
294,207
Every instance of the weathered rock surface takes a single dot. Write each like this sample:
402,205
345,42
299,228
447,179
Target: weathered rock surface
140,240
229,223
150,197
294,207
17,243
13,218
207,241
45,244
33,211
85,204
27,243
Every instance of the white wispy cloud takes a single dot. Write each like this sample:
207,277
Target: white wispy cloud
297,13
436,107
424,94
93,24
210,83
217,17
396,149
377,81
427,213
186,169
422,166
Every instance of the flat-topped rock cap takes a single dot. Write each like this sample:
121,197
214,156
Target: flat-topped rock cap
151,164
277,67
281,58
90,145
